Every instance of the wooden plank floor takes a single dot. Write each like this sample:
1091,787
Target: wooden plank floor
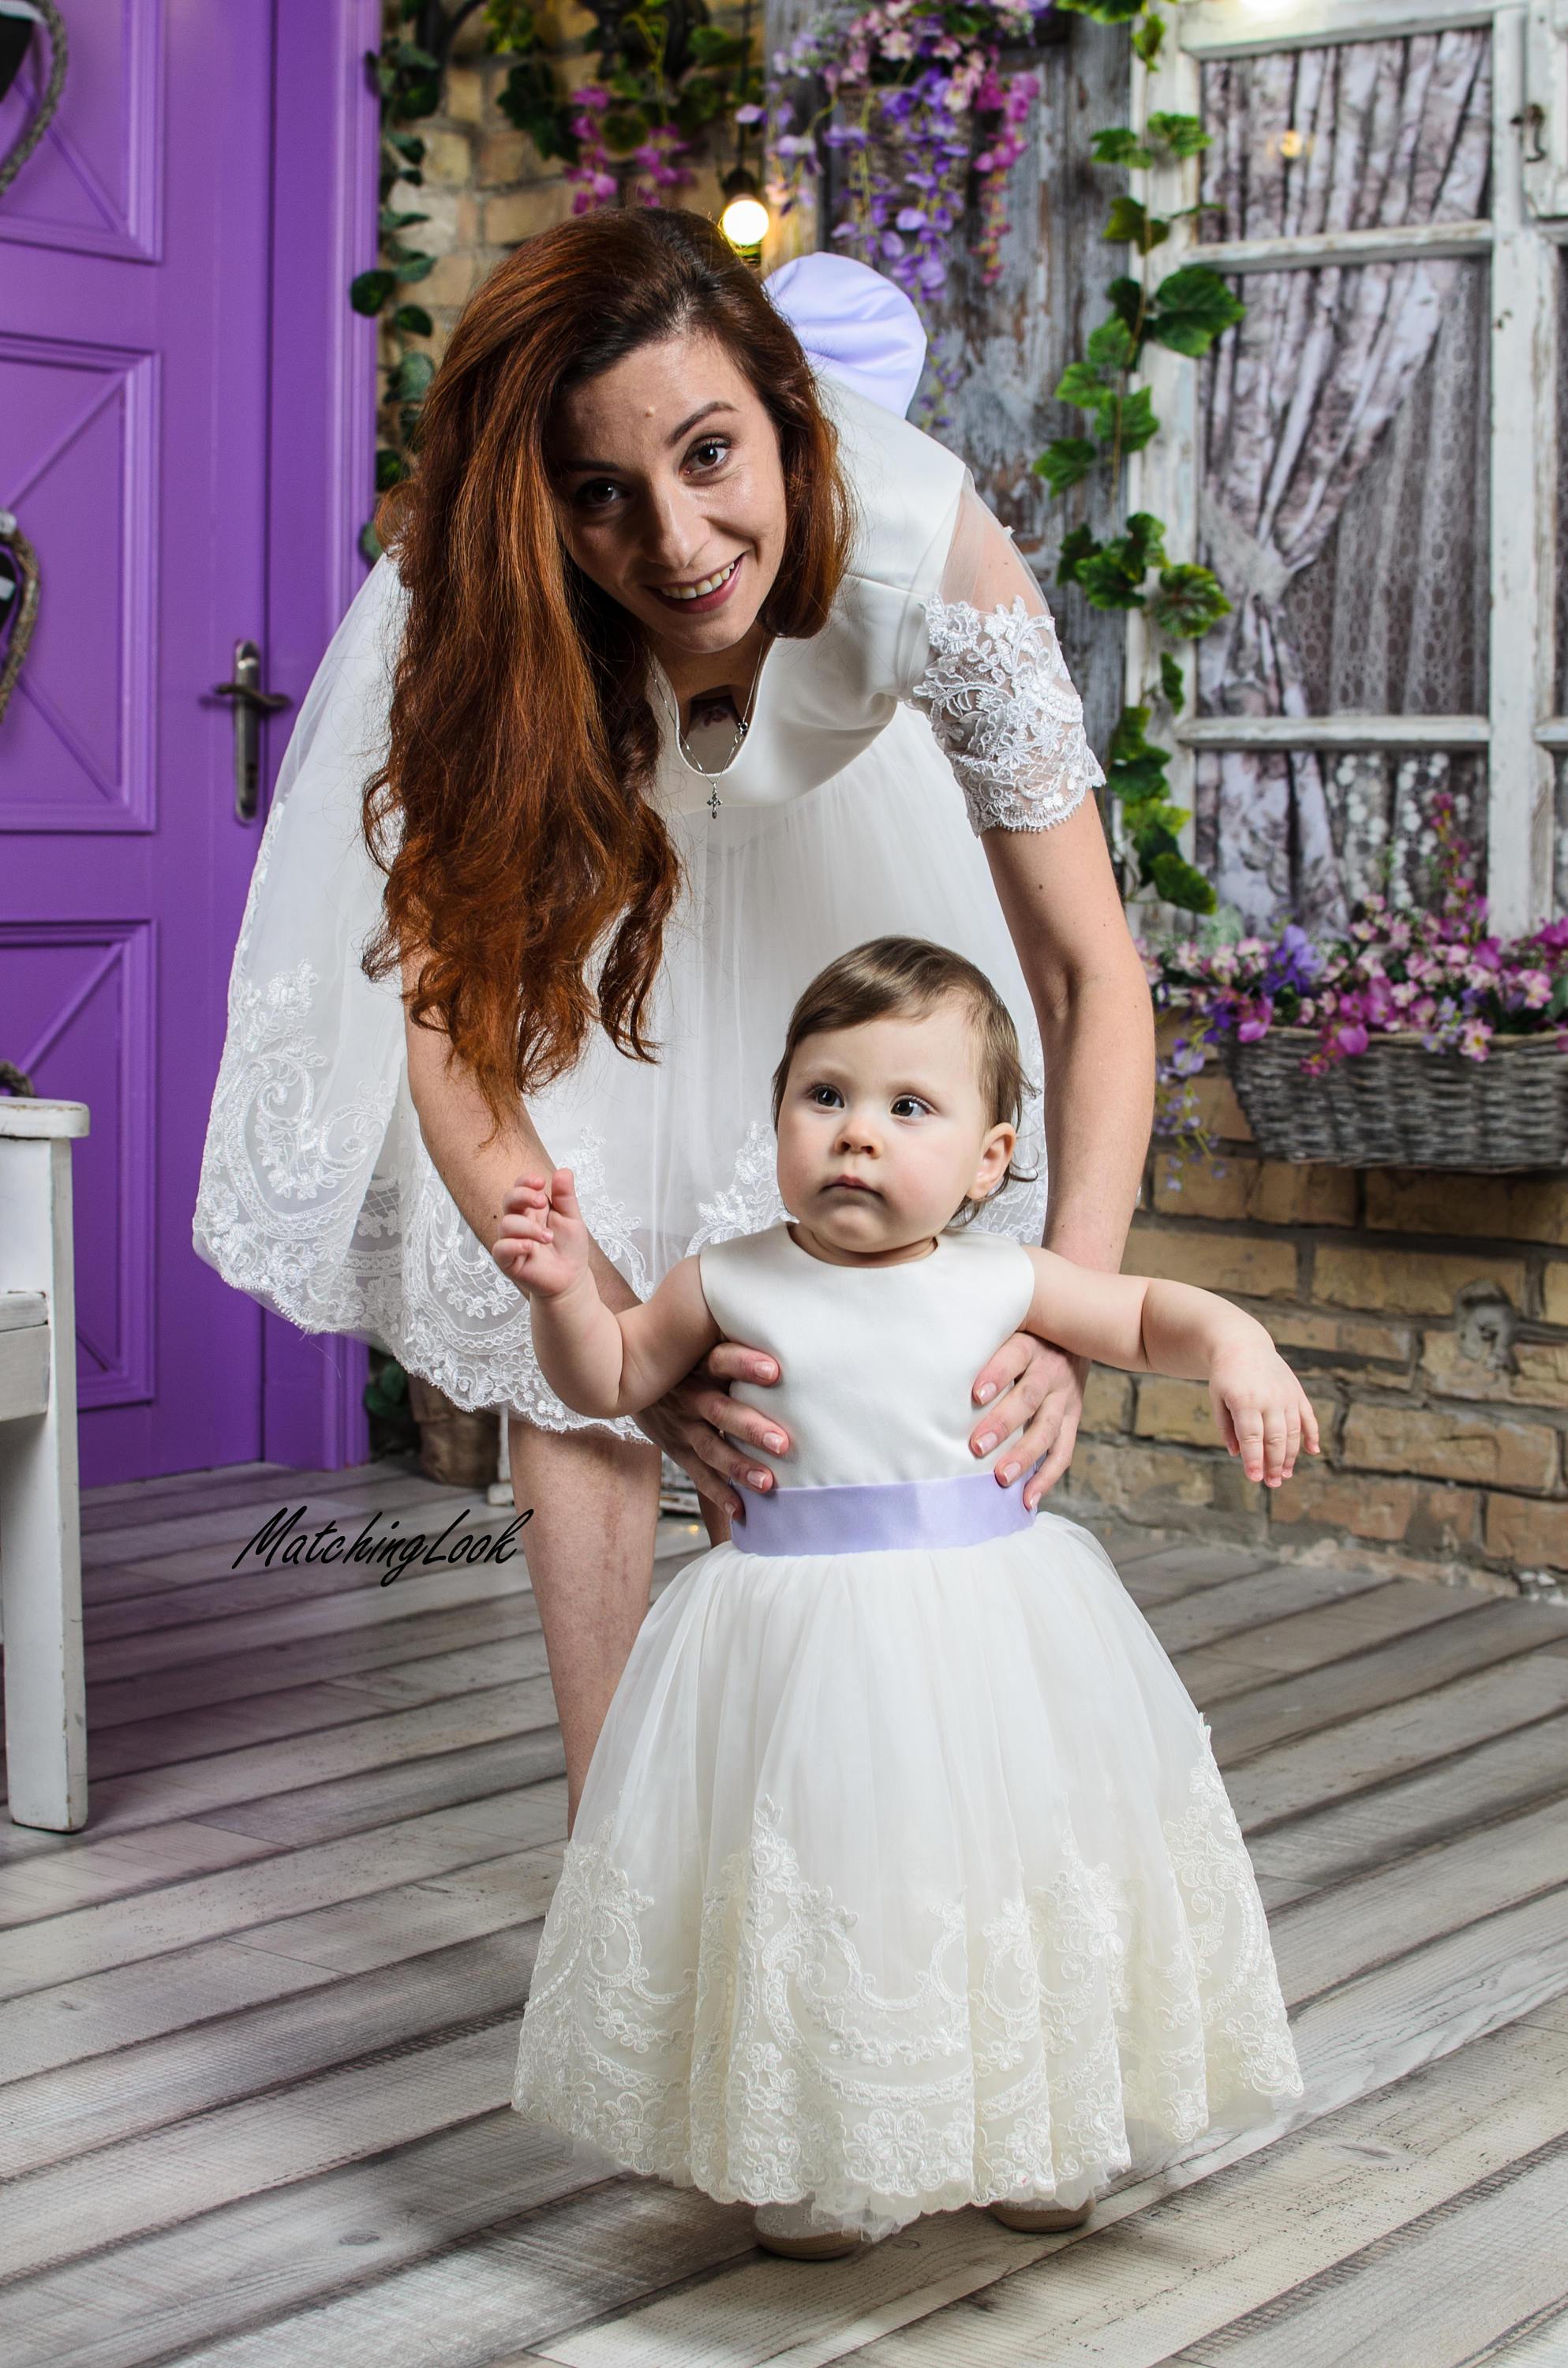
257,2020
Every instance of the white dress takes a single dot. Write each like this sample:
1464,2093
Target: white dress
902,1877
879,750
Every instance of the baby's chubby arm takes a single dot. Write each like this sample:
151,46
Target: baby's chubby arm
600,1362
1148,1325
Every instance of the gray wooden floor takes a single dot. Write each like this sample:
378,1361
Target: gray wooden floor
257,2021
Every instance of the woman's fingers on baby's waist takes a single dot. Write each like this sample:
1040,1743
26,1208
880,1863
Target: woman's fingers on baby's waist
734,1360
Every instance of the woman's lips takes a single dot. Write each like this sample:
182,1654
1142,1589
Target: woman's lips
708,601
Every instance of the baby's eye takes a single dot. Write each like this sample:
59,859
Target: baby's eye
814,1090
912,1097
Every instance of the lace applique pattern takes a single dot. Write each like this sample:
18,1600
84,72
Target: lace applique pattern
1002,705
1037,2055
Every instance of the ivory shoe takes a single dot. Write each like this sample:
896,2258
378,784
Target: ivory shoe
1041,2219
790,2230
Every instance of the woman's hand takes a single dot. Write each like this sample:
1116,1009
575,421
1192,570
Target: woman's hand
1027,1380
686,1423
544,1242
1265,1416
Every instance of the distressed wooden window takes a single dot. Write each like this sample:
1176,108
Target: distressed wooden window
1370,460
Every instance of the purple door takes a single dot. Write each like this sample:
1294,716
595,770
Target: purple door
139,436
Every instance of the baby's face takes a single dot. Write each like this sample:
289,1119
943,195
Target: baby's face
895,1105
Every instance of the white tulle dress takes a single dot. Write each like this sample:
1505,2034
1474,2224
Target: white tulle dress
877,751
903,1876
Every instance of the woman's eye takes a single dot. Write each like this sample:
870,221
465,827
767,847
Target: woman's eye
719,444
594,486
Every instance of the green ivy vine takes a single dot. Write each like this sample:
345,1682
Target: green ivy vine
1132,569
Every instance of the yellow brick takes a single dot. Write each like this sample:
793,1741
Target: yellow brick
1538,1374
1522,1529
504,158
1139,1480
464,94
1554,1292
1107,1401
1246,1266
1177,1410
1501,1208
518,215
1269,1192
1451,1445
1351,1340
1432,1520
451,282
448,157
1407,1282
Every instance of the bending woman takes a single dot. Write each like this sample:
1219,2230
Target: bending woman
689,666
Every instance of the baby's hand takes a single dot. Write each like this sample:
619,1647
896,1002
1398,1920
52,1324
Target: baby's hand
1265,1416
543,1244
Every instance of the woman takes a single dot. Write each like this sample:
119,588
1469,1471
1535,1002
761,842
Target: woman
659,709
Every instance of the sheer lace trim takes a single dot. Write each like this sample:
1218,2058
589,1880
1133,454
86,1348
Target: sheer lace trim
1037,2053
1002,705
343,1224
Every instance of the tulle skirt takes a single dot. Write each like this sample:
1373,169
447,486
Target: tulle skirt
318,1195
902,1880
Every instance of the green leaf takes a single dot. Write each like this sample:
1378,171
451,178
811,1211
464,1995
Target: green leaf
1065,461
1149,38
1191,307
1180,884
1126,299
369,542
1082,385
1141,780
1127,740
1109,347
1077,548
370,291
1133,226
1135,423
1146,540
413,267
390,219
712,47
1119,147
622,130
408,145
1183,135
410,379
1109,581
414,321
1189,602
391,468
1173,682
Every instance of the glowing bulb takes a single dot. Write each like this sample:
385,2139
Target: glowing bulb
745,221
1292,144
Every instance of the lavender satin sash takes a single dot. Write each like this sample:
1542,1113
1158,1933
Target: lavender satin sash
962,1508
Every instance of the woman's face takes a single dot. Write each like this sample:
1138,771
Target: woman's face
670,490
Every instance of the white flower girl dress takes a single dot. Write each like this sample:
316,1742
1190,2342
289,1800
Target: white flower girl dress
903,1875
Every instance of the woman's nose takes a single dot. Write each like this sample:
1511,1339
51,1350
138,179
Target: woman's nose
676,528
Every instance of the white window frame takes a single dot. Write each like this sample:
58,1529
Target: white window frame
1528,221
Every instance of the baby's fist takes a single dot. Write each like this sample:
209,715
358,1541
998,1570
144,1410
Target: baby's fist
543,1242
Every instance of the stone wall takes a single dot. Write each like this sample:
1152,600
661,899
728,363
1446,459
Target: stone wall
1427,1315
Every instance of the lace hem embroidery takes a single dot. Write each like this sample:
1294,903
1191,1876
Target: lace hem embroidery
1036,2055
1005,715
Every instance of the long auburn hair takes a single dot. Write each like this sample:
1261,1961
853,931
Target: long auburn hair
521,736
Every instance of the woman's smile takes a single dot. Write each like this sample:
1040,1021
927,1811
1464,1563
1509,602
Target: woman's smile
708,593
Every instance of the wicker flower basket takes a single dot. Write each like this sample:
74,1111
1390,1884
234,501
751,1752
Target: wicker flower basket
1396,1105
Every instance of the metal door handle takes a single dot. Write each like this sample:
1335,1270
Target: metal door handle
251,703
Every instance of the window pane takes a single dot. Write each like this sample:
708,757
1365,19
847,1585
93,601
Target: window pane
1315,830
1359,136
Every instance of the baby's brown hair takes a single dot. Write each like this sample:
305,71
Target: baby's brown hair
910,976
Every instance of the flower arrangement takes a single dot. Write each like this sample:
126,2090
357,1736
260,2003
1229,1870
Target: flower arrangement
915,95
1435,978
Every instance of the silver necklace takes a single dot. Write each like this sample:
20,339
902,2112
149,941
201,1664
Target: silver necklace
741,728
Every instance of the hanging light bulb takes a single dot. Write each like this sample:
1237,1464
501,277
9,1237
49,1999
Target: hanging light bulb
746,219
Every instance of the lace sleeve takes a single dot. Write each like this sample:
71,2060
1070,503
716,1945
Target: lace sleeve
993,683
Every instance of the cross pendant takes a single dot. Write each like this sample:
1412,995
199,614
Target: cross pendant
713,799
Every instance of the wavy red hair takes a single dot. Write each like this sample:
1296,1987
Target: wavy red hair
509,816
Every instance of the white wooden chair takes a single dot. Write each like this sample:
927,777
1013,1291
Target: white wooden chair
41,1523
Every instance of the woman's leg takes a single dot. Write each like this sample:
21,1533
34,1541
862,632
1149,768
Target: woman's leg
589,1548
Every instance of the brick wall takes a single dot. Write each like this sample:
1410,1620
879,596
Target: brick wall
1427,1315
